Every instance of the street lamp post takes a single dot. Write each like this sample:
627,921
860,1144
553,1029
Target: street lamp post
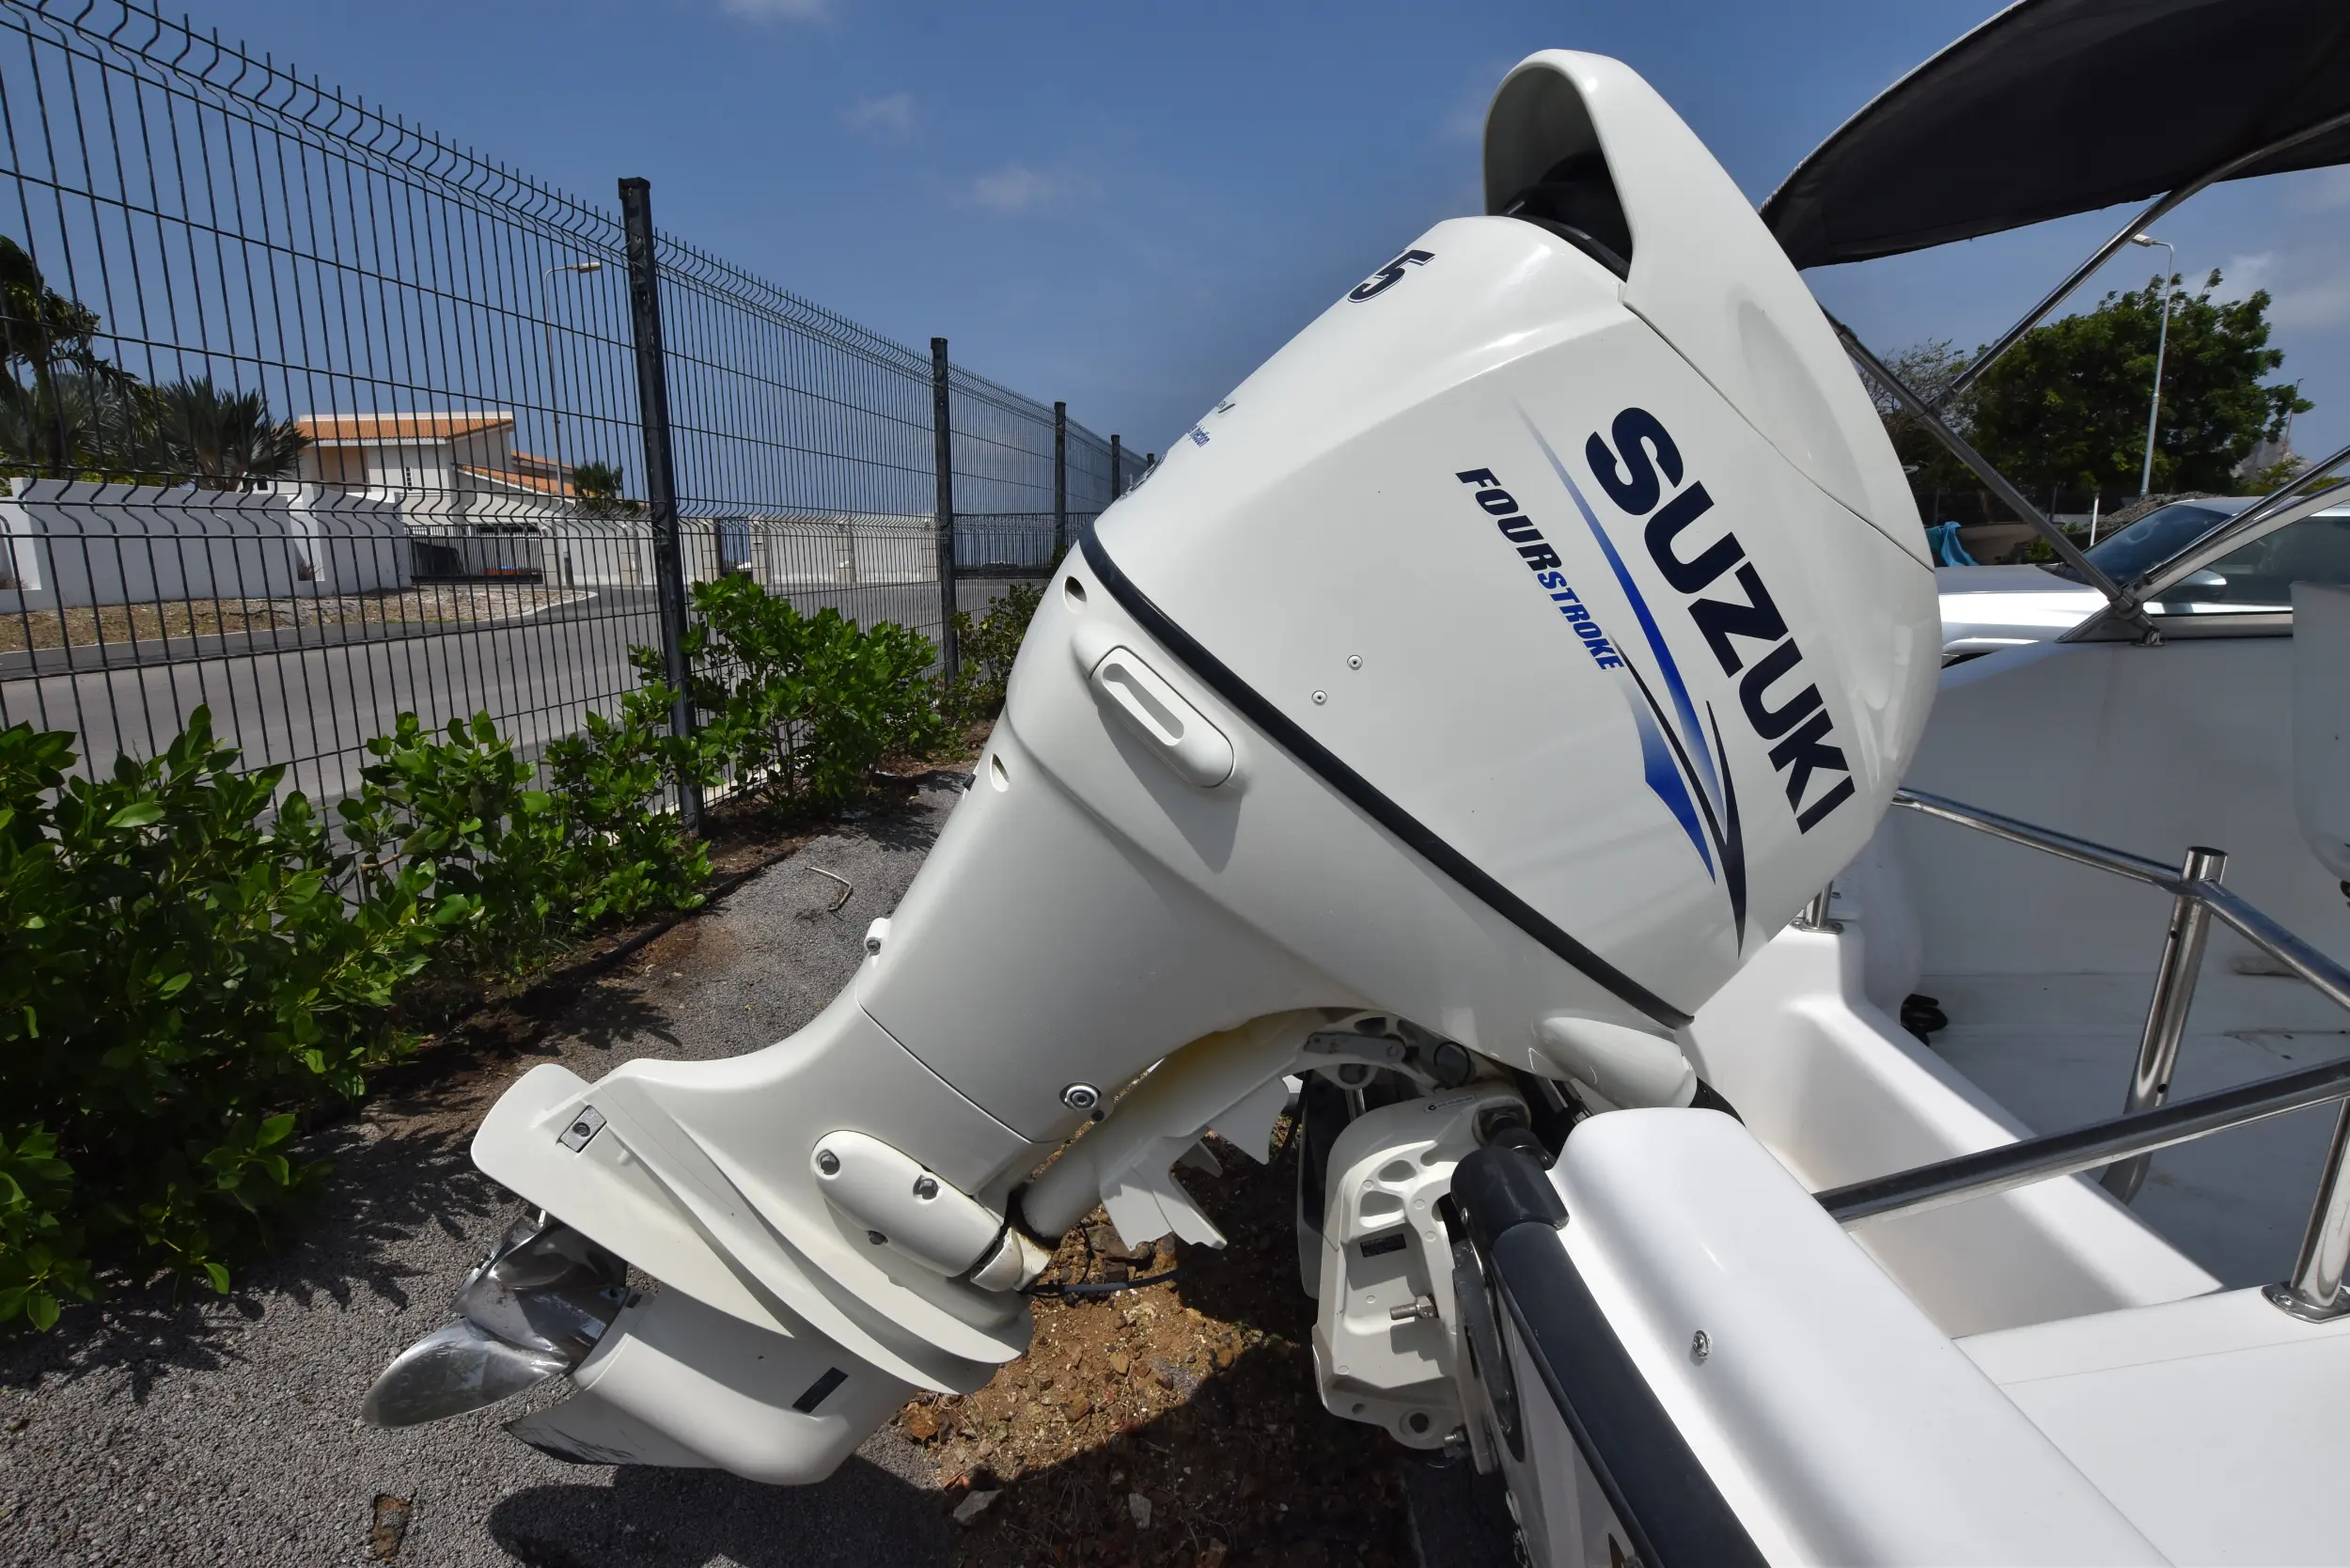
2162,346
546,339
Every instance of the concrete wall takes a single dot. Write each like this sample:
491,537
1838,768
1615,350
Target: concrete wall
834,549
594,553
73,543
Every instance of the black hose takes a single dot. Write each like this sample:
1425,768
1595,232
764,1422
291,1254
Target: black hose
1084,1289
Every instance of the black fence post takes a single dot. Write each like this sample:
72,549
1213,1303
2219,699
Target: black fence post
1117,457
949,656
1061,481
652,402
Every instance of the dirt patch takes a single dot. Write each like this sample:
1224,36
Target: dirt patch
432,604
1174,1423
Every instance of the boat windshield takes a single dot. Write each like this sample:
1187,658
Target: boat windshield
2156,537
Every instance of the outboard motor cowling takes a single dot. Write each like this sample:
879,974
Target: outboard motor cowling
1477,686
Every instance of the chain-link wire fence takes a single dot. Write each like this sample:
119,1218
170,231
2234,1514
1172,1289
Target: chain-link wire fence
314,417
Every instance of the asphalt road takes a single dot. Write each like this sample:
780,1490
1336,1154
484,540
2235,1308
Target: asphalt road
313,699
200,1433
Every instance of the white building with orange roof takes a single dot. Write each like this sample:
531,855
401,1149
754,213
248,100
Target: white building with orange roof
461,466
475,506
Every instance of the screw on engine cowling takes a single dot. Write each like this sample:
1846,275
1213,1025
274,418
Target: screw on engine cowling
827,1162
926,1186
1082,1097
1699,1347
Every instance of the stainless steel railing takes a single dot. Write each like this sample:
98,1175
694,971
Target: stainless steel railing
2122,1145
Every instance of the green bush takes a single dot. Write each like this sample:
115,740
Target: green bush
986,647
522,870
800,708
464,805
180,978
627,857
187,965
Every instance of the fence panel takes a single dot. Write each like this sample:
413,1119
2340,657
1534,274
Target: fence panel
313,416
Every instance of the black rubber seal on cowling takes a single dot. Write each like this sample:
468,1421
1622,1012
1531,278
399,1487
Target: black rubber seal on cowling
1325,764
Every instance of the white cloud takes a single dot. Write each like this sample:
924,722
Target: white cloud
890,117
1016,189
778,10
2241,275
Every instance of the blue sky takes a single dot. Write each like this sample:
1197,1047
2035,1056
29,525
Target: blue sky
1130,206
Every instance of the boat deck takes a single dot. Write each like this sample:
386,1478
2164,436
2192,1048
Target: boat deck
2057,1051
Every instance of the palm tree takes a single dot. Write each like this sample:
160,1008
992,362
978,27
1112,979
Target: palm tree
81,423
223,440
81,413
47,333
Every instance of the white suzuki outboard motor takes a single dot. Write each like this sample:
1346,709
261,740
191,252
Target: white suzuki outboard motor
1455,708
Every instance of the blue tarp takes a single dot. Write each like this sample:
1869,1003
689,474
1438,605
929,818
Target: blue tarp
1942,538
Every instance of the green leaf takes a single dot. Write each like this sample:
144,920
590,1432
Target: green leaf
218,1276
41,1311
139,813
274,1130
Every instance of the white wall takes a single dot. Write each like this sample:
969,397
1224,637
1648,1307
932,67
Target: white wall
73,543
838,549
348,543
590,552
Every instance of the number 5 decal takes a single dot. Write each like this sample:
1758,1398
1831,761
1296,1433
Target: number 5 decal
1389,275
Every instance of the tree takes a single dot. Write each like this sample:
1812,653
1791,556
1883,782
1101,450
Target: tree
80,414
2066,407
46,333
598,487
222,440
1928,369
78,422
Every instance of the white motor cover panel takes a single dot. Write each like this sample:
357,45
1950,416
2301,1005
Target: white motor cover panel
1706,274
1485,537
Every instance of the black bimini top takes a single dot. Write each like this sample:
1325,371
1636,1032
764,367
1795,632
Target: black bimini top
2054,108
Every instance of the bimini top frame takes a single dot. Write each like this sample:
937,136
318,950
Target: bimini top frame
2013,125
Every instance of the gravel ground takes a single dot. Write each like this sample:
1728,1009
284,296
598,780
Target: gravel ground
227,1432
